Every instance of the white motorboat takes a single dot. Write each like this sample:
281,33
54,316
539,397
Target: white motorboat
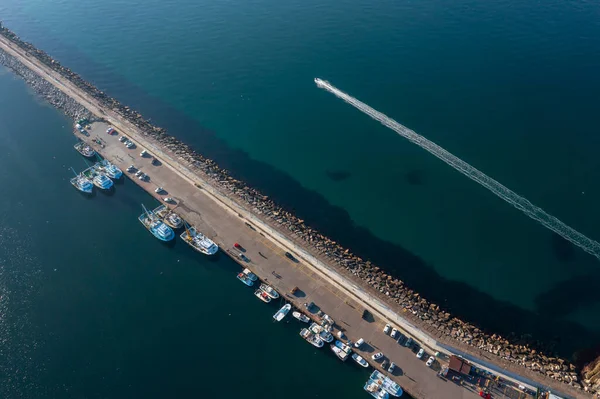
375,390
302,317
321,332
250,275
199,241
281,313
260,294
344,350
311,338
358,359
270,291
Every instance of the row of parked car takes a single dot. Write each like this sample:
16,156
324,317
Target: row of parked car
407,342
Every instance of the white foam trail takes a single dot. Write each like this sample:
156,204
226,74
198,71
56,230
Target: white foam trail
506,194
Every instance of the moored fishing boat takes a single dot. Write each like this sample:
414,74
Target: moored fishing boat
321,332
375,390
156,226
341,350
245,279
198,241
250,275
270,291
111,170
311,338
102,182
260,294
81,183
302,317
386,383
281,313
358,359
173,220
85,149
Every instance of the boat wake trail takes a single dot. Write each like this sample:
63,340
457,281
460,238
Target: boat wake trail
472,173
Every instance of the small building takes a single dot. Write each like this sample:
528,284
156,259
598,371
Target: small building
459,365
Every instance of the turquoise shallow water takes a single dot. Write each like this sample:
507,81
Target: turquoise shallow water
510,88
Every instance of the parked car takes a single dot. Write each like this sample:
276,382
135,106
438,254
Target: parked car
386,329
401,339
359,343
385,364
420,353
377,356
408,342
394,333
392,367
290,257
430,361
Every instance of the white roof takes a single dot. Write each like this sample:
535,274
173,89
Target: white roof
553,396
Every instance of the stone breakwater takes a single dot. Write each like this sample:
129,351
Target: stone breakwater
390,288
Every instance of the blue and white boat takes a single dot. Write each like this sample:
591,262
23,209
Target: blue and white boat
281,313
81,183
321,332
111,170
375,389
102,182
156,226
341,350
386,384
245,279
358,359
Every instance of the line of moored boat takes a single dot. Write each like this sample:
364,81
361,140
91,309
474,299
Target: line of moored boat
101,175
379,386
160,222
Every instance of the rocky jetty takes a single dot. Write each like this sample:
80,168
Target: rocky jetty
428,315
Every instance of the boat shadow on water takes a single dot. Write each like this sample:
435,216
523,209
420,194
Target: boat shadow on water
87,195
109,193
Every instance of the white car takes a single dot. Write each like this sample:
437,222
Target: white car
430,361
394,333
420,353
359,343
377,356
386,329
392,367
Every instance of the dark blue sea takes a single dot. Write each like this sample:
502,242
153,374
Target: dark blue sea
92,307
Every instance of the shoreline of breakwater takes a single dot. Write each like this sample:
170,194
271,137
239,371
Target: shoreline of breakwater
393,290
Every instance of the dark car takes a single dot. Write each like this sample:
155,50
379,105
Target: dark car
290,257
402,339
